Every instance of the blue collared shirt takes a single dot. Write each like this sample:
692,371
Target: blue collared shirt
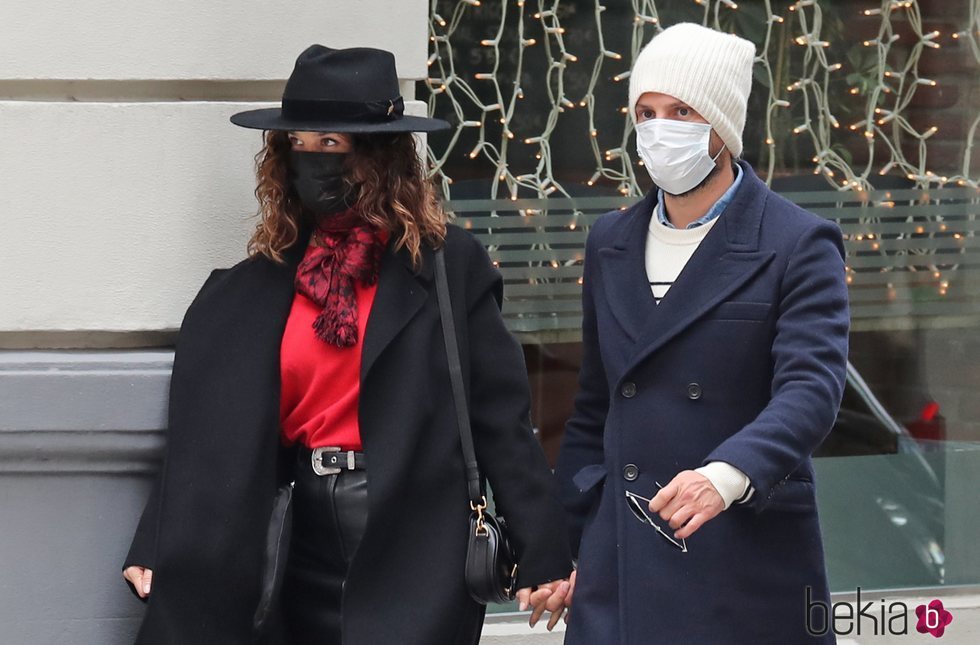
712,213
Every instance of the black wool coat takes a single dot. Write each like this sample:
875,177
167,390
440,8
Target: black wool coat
203,529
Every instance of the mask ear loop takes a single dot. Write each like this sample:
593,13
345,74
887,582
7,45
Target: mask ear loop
720,150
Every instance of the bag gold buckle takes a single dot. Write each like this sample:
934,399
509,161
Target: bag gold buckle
478,508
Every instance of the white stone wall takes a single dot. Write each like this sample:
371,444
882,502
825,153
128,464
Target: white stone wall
118,195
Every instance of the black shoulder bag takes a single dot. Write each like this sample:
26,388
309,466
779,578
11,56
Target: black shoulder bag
491,567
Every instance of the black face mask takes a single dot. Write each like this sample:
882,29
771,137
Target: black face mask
318,179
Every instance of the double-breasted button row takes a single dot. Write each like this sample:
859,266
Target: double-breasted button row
628,390
630,472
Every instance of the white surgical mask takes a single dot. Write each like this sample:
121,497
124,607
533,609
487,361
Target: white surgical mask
675,153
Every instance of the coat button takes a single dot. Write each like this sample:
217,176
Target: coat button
693,391
629,389
631,472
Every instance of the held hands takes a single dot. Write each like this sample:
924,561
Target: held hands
687,502
555,596
141,578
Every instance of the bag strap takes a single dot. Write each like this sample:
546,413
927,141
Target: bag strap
474,483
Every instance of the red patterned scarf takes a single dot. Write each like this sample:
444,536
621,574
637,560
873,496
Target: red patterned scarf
343,248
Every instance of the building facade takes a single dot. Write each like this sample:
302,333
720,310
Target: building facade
122,184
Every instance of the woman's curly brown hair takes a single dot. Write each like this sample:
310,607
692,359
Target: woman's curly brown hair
389,181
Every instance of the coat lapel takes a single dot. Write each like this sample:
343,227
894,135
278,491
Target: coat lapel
401,293
726,259
263,299
624,275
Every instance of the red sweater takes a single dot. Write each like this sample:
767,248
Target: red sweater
321,382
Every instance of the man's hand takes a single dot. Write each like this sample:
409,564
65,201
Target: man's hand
141,579
555,596
687,502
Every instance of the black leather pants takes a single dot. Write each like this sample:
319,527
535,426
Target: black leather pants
329,515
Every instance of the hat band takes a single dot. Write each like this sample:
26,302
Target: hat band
320,110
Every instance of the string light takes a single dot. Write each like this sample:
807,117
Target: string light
886,91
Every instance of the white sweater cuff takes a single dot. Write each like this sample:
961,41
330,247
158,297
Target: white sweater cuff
730,482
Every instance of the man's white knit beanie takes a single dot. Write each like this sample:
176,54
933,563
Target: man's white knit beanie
709,70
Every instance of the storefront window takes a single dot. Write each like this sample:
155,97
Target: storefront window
866,113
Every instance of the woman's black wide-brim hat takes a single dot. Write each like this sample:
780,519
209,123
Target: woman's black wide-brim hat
340,90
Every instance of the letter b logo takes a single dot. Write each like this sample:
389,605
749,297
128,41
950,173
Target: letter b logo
933,618
818,615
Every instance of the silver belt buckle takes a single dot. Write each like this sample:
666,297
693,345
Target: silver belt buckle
317,459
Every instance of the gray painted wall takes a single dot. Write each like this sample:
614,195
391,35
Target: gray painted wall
80,437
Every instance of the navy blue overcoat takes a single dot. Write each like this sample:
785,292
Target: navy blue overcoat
743,362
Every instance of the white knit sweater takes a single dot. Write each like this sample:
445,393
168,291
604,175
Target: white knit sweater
668,250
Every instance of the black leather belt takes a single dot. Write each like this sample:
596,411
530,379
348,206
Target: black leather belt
331,460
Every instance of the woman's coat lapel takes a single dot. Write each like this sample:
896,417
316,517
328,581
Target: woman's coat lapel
401,293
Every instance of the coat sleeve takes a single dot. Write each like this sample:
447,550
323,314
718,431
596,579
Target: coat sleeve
508,453
809,357
142,550
582,445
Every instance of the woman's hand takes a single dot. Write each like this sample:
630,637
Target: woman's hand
555,596
141,578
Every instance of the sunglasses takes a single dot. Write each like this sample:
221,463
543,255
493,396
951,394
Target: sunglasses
639,505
